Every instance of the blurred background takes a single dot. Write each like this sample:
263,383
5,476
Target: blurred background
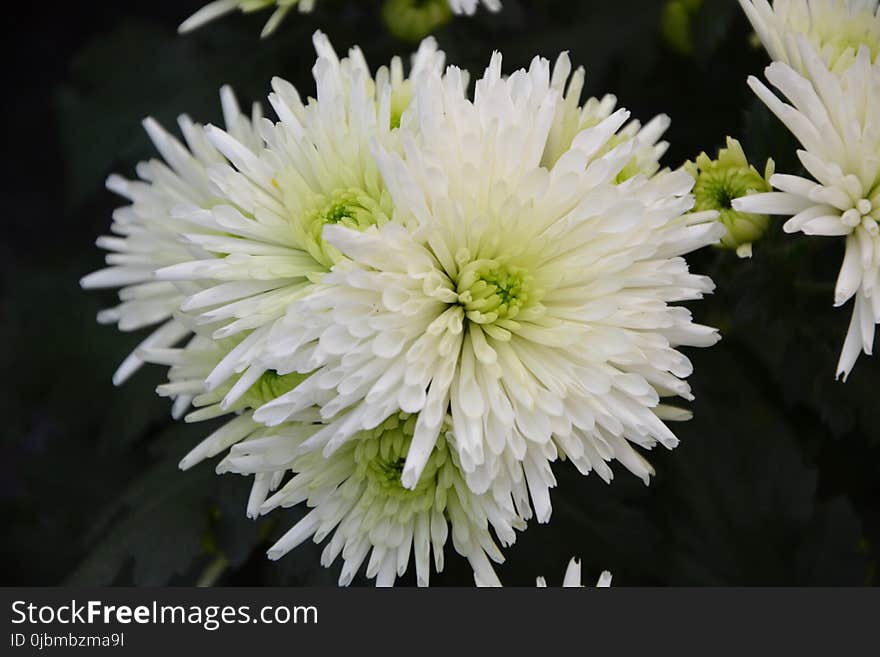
776,480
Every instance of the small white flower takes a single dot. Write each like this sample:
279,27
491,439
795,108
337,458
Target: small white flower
356,496
835,28
532,306
220,8
835,118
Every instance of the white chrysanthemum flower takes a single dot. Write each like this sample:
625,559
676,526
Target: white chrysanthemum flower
239,239
356,493
835,28
147,232
232,246
357,496
572,577
835,118
220,8
532,306
571,119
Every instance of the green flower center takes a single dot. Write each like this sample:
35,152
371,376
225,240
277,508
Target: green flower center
350,207
270,386
490,290
849,37
380,455
719,182
411,20
715,189
401,97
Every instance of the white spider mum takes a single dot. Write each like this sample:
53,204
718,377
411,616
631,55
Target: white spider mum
357,496
835,28
835,118
530,306
265,247
219,8
146,234
222,246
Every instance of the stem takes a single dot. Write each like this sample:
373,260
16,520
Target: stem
213,572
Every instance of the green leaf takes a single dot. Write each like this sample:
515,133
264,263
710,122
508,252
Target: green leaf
741,506
159,524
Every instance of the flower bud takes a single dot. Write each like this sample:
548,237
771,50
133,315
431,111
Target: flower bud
412,20
719,182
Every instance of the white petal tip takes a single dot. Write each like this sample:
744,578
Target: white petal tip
744,251
187,462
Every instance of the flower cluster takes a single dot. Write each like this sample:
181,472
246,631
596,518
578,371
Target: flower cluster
413,303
